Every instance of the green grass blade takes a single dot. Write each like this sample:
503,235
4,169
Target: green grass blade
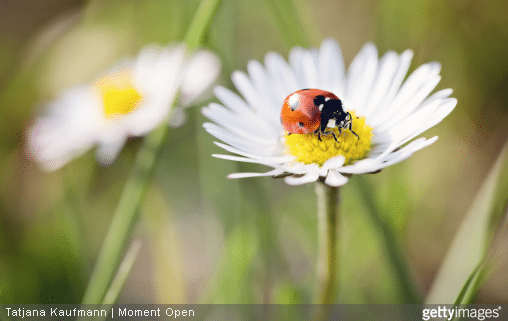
200,23
125,216
122,274
119,280
408,293
454,280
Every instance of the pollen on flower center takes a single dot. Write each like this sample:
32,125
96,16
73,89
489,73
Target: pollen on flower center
309,150
119,97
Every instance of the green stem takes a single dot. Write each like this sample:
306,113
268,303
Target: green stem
134,191
200,23
119,279
125,216
122,274
408,293
328,204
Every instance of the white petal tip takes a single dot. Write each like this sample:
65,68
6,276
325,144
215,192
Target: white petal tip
334,162
307,178
432,140
335,179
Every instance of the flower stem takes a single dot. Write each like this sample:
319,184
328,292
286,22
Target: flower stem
200,23
127,212
125,216
123,271
328,204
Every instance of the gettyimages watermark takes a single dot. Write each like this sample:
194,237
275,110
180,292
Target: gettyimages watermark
443,312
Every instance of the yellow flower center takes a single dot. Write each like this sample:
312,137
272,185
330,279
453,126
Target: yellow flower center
119,97
309,150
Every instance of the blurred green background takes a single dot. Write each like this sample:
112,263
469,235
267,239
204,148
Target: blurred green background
207,239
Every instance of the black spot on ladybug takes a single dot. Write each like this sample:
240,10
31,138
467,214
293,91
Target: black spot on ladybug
319,100
301,125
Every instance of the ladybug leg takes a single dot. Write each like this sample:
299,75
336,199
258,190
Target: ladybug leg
321,129
318,132
349,127
334,136
350,124
333,133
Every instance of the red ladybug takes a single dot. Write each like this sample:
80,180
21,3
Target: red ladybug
312,111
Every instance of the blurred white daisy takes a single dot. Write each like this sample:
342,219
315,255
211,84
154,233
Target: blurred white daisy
387,113
131,99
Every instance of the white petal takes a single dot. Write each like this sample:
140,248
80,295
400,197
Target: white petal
420,121
243,159
242,175
334,162
274,159
413,92
412,104
246,88
231,100
107,152
200,73
334,178
444,93
307,178
149,115
388,66
281,74
379,110
419,79
226,119
361,167
249,143
331,67
70,128
268,101
360,77
309,71
407,151
295,61
158,71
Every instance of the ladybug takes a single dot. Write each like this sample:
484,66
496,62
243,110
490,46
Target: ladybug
312,111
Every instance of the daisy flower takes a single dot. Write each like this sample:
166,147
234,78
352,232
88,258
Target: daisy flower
386,113
131,99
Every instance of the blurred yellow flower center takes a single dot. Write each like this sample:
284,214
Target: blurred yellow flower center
119,96
309,150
